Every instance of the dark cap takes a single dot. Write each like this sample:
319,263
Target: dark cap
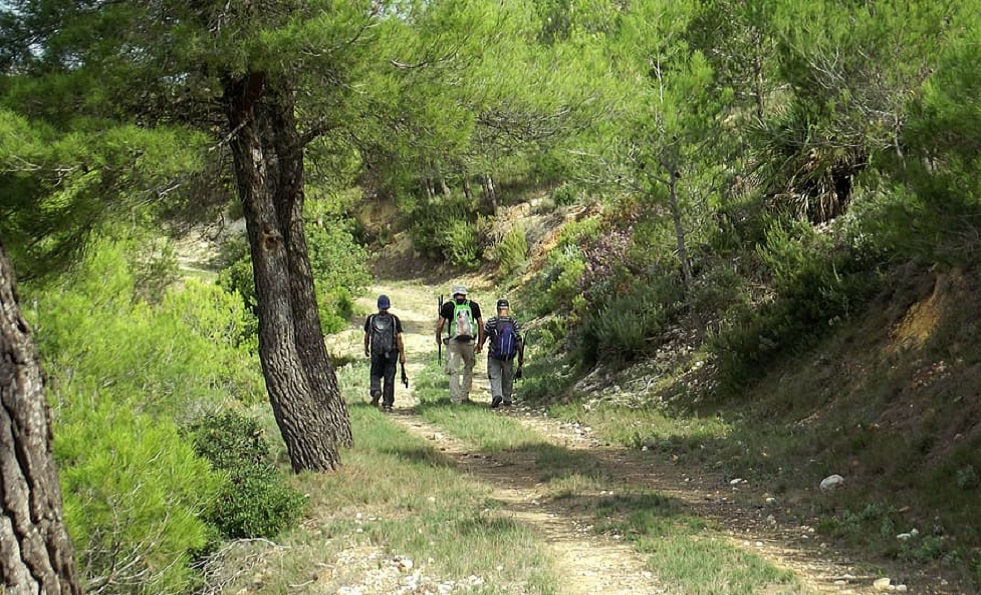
503,304
383,302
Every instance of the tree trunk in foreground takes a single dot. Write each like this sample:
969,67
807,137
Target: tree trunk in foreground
289,198
37,555
311,428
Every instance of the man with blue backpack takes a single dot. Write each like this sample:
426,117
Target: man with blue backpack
506,344
465,337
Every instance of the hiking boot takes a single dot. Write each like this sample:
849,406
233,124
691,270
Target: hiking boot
507,403
387,408
375,395
496,402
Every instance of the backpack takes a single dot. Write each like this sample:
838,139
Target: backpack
505,344
462,326
383,334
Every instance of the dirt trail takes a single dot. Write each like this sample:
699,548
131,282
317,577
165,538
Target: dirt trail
586,562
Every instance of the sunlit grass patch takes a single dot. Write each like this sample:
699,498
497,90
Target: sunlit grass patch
684,550
476,424
636,427
710,566
557,462
479,426
572,485
398,495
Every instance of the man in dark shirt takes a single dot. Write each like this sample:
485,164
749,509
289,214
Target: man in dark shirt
464,338
382,343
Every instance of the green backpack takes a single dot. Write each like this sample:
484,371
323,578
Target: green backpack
462,327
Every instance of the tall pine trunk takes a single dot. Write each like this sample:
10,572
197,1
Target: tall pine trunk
289,197
310,429
37,555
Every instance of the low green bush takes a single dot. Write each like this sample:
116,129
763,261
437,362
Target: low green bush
134,499
817,282
446,229
564,195
627,320
511,252
255,502
460,246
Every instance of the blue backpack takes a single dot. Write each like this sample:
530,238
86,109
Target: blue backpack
505,344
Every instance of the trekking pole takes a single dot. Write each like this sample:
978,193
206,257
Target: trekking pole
440,339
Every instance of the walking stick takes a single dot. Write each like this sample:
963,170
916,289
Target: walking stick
440,342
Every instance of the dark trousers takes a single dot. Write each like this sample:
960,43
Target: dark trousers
383,368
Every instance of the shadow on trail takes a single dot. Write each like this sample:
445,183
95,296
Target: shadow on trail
537,475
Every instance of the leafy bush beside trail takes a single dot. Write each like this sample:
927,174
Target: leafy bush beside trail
124,375
255,501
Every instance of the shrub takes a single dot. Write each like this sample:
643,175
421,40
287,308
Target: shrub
121,373
817,284
446,229
512,251
134,497
561,283
626,322
564,195
256,502
460,245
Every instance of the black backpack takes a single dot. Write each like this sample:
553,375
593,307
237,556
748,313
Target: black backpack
505,344
383,334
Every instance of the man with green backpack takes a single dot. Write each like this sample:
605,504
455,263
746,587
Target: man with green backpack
465,336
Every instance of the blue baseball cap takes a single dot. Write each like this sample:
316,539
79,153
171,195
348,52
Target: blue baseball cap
383,302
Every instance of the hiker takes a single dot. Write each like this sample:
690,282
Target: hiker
465,331
382,341
506,343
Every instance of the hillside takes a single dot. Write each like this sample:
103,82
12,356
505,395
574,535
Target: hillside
887,400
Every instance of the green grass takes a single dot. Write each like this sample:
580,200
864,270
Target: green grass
413,502
708,565
635,427
397,493
472,422
683,550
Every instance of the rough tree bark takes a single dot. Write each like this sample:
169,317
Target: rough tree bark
310,427
37,555
278,108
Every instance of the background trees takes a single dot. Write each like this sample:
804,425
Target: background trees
748,171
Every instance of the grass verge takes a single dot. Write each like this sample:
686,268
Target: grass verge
396,499
689,555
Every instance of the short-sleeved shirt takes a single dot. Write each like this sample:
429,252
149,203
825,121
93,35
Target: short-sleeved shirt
448,307
490,327
398,323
